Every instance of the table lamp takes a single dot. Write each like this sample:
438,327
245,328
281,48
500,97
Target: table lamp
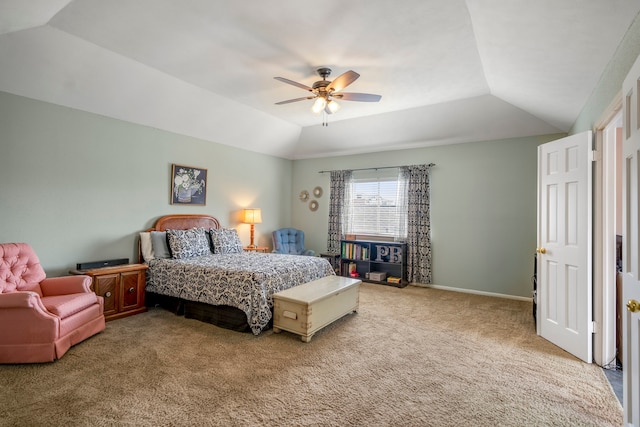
252,216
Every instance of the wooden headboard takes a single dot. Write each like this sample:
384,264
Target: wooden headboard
185,222
181,222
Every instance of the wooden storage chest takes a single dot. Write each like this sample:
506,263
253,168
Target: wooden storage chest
307,308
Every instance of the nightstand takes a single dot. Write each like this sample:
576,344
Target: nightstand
334,260
121,286
262,249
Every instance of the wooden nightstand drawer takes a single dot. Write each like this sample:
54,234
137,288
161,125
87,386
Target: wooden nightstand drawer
106,286
122,288
132,289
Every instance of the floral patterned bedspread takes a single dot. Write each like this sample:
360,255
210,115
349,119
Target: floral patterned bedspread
246,281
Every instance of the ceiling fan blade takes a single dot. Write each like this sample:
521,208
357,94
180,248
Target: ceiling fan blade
291,82
362,97
342,81
288,101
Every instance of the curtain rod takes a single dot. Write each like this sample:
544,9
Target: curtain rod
375,169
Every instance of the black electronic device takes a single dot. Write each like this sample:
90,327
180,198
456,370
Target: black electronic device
100,264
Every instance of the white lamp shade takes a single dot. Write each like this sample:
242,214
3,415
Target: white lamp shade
252,216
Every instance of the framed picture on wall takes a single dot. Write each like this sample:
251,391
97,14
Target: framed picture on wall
188,185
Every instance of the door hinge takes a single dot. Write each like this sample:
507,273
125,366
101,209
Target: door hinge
594,156
592,327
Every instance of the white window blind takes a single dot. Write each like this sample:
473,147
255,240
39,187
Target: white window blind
376,204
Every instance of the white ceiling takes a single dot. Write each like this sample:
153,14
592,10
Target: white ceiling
448,71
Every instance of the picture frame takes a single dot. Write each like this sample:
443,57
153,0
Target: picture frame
188,185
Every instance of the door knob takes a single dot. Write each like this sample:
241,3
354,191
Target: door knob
541,250
633,306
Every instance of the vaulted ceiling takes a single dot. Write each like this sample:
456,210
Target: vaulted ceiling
448,71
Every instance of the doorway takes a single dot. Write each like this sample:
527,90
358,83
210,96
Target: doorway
608,234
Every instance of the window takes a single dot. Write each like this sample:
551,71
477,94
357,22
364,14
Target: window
376,204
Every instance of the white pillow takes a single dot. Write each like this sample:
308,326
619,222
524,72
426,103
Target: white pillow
145,246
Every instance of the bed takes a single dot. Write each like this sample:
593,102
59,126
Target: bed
230,288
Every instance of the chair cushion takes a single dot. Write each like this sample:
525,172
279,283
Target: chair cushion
20,268
289,241
65,305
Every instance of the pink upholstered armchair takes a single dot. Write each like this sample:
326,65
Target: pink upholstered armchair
41,318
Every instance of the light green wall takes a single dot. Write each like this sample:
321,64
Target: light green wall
483,209
79,186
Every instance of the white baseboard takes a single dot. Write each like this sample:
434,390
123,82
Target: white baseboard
470,291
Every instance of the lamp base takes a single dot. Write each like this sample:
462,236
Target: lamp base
252,245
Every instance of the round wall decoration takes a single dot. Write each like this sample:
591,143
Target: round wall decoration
304,195
313,206
317,192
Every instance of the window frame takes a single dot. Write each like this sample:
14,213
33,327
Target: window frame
390,207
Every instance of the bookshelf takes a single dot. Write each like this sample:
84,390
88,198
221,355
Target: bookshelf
375,262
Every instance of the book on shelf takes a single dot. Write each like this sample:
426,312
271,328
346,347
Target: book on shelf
355,251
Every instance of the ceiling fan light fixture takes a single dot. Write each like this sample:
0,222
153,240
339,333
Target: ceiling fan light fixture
319,105
323,91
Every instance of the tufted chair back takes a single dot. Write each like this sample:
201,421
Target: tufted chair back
289,241
20,269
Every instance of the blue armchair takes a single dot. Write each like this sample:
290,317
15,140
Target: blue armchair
290,241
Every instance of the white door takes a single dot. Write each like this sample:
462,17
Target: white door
564,311
630,247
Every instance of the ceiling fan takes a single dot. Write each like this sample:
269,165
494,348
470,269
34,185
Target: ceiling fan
326,92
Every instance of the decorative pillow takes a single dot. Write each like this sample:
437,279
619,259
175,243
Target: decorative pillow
225,241
188,243
145,246
159,244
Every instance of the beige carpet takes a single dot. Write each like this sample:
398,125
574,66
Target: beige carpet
410,357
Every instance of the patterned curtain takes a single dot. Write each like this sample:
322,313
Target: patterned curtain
418,223
339,185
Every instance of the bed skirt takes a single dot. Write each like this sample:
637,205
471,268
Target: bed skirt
223,316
